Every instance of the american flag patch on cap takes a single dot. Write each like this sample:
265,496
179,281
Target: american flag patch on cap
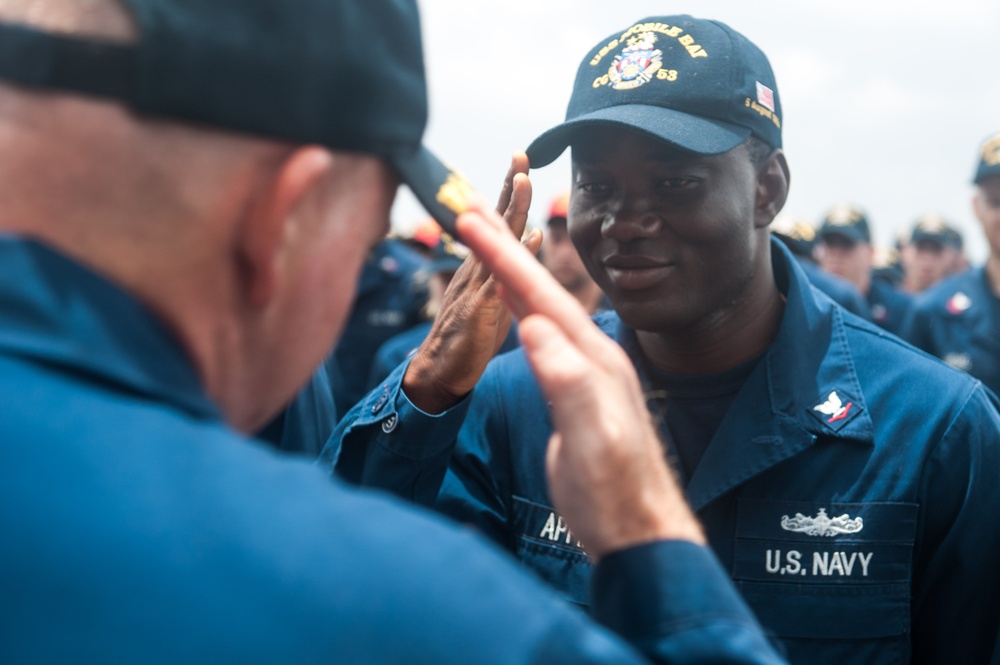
765,96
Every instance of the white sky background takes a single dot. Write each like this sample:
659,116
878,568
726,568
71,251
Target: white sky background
885,102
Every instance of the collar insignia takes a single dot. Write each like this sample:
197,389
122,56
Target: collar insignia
834,407
958,303
822,524
960,361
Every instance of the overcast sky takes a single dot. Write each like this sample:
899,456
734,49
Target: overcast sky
885,101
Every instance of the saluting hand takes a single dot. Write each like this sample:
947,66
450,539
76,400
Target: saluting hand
472,322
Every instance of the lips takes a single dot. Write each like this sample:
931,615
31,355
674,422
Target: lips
633,273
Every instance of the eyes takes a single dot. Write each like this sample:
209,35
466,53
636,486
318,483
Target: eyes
670,185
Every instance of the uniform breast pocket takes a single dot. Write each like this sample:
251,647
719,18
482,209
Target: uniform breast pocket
832,580
545,545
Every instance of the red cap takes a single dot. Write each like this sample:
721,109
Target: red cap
427,233
560,206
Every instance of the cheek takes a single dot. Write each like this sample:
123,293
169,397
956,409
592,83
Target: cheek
583,230
583,238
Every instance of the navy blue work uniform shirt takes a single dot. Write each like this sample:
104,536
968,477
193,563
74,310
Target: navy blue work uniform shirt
958,320
848,490
138,528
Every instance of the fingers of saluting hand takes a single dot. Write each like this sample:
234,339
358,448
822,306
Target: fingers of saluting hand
513,206
528,288
518,164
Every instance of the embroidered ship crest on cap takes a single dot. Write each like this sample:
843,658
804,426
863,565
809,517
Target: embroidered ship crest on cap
636,64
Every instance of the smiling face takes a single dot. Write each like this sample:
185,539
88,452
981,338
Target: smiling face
673,239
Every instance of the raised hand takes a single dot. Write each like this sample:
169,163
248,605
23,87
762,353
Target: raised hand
472,322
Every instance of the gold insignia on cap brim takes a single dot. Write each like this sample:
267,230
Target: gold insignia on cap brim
455,194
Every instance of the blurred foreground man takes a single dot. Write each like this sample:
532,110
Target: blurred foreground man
841,477
958,320
189,189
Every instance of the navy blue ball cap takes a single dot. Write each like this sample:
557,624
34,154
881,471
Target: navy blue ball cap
345,74
932,227
989,160
695,83
847,221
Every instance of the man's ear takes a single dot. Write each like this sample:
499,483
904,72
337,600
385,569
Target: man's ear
268,225
773,179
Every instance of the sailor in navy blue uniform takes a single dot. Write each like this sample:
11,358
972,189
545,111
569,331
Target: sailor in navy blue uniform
932,252
958,320
842,477
240,180
845,249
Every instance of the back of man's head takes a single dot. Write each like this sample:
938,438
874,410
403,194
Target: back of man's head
166,144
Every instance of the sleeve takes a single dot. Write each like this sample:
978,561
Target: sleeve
385,442
957,582
458,462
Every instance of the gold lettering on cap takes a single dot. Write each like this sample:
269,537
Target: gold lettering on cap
767,113
455,193
604,51
695,51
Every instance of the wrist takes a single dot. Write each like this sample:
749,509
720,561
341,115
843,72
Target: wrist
423,390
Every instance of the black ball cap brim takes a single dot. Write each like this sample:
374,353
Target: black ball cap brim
703,136
442,191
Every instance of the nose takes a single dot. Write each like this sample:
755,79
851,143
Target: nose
631,219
